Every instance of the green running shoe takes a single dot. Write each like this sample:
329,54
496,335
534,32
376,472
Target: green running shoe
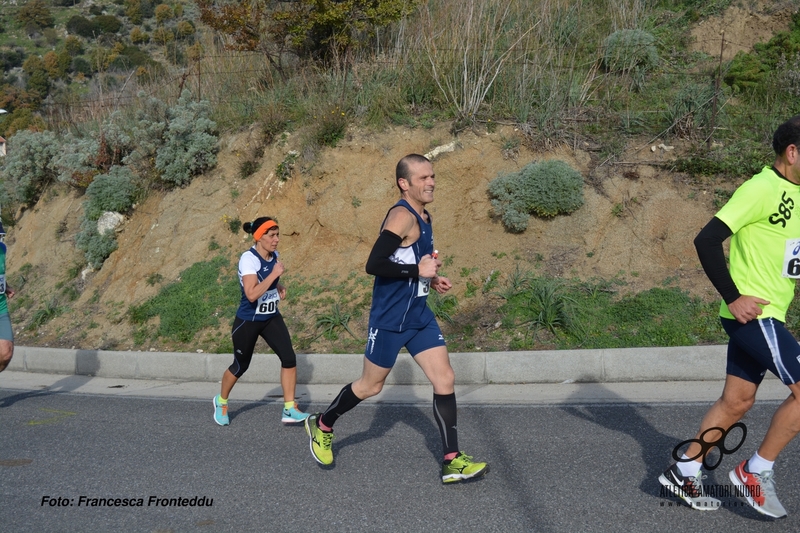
462,467
319,441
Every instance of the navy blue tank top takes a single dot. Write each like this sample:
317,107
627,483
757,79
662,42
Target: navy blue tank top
399,304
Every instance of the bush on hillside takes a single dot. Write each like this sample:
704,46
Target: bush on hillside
113,191
29,165
76,162
81,65
11,58
36,76
546,189
128,58
82,26
95,246
35,12
626,50
148,130
107,23
190,142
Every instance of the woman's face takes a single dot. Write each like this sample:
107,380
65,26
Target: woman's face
270,239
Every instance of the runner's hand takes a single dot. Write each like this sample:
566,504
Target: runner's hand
746,308
441,285
428,266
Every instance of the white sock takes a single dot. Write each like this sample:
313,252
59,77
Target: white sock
688,468
758,464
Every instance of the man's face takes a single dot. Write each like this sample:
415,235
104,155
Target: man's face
421,182
792,157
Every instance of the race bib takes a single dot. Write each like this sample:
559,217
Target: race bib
268,303
2,284
423,286
791,259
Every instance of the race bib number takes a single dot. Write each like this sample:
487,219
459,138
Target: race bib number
791,259
2,284
268,303
423,286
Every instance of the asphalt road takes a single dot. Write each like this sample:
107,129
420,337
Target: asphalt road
553,468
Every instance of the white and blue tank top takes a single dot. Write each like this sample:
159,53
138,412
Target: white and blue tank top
266,306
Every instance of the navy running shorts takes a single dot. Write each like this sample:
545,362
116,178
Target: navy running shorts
761,345
383,345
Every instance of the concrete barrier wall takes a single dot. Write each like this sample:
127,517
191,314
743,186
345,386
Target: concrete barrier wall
685,363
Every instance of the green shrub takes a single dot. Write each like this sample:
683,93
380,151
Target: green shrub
629,50
36,75
83,158
690,110
95,246
184,29
81,65
163,13
189,142
29,165
746,72
11,58
330,128
76,162
138,36
107,23
150,122
163,35
129,58
82,26
35,12
546,189
113,191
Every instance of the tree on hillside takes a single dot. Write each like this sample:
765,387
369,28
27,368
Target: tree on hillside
318,29
36,76
35,12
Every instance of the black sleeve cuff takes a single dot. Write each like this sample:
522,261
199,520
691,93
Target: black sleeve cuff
379,263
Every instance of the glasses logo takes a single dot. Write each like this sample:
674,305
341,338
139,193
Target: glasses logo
706,446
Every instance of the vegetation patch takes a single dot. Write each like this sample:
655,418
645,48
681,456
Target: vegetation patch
203,293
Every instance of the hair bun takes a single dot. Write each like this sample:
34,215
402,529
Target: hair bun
247,227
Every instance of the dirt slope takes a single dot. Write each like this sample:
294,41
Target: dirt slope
638,224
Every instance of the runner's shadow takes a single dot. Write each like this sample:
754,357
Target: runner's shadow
66,384
272,396
624,417
656,450
386,417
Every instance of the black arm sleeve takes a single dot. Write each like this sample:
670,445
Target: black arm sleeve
379,263
708,244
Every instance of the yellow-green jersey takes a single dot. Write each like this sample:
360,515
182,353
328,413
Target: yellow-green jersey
765,246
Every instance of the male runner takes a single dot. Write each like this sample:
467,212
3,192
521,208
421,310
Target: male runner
404,264
763,218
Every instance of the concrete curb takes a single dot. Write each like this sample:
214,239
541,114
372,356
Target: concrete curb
683,363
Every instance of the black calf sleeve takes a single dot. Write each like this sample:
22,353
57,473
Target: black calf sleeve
445,413
345,401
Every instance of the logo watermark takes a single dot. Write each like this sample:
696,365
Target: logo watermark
707,446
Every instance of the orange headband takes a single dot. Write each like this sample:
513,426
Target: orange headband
265,227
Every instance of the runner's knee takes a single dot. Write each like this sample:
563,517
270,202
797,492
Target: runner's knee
288,360
738,405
